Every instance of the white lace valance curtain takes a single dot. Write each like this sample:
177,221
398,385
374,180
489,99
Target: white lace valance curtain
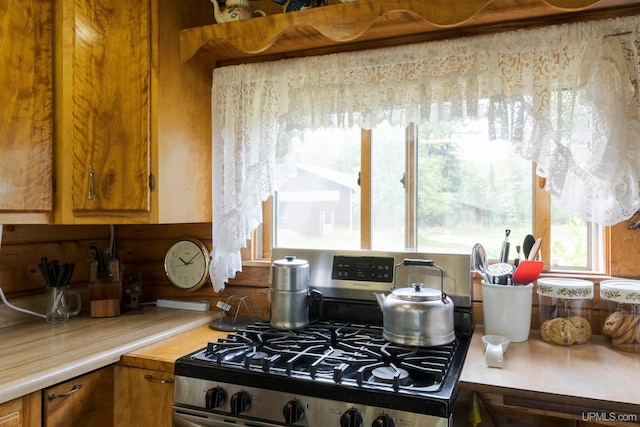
567,96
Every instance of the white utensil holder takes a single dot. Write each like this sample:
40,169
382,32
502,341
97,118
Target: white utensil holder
506,310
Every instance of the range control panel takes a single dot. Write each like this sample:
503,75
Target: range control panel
369,269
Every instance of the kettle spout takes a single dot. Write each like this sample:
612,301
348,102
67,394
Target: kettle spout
216,12
380,298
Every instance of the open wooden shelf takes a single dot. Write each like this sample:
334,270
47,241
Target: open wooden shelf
368,23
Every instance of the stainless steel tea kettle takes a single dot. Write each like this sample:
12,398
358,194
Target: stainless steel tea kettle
290,293
416,315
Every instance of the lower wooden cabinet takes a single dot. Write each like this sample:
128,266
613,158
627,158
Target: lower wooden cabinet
86,400
21,412
143,397
492,409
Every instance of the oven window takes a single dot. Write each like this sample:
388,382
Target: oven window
433,188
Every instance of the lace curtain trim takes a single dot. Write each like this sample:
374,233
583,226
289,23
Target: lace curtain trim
566,96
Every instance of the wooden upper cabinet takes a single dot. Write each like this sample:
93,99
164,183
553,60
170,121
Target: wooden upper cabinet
133,123
103,108
109,109
26,160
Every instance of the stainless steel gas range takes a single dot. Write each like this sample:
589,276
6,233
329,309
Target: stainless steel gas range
338,371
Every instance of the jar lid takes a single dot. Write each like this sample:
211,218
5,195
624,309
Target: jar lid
290,261
557,287
621,290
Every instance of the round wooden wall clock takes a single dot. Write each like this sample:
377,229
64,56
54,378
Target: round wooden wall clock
186,264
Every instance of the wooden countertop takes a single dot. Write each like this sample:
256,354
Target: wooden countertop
592,376
574,379
579,378
162,355
36,355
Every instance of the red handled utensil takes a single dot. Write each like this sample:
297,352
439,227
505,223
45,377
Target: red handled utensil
527,272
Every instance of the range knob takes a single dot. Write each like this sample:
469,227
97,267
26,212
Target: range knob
351,418
240,402
383,420
215,397
293,412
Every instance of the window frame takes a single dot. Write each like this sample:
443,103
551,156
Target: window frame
261,245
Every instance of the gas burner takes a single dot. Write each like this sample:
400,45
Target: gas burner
389,374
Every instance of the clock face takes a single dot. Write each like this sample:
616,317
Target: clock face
186,264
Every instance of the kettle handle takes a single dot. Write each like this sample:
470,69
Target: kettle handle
421,263
418,262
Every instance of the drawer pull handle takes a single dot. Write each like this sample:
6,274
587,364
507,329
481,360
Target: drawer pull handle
69,393
153,380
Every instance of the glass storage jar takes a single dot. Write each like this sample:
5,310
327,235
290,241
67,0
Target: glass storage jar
621,313
565,307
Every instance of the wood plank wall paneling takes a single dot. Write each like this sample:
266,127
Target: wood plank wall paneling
143,248
624,247
24,245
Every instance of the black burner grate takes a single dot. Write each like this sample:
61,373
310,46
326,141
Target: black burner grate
341,353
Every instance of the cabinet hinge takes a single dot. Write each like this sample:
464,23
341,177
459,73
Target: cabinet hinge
152,181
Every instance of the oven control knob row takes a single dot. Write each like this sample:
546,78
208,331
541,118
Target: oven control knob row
293,412
240,402
351,418
383,420
215,397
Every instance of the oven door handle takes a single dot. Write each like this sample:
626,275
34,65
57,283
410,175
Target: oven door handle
189,417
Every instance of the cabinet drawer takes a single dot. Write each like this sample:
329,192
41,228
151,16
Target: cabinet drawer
82,401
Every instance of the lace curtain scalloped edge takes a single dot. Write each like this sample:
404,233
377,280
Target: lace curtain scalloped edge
566,96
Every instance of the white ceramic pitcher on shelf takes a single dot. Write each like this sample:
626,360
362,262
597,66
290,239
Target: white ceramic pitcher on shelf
236,10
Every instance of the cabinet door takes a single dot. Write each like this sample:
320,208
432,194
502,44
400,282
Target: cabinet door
143,397
26,163
21,412
107,57
83,401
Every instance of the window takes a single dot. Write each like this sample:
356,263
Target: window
322,198
437,188
566,110
575,244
